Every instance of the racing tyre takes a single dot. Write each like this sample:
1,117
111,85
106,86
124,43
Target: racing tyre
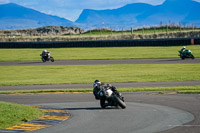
43,60
102,103
119,102
182,57
52,59
192,56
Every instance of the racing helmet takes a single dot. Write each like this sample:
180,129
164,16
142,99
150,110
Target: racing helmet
184,47
96,83
45,51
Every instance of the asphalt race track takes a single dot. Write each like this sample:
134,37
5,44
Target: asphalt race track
90,118
145,112
101,62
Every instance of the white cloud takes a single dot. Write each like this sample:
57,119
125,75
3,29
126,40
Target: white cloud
4,1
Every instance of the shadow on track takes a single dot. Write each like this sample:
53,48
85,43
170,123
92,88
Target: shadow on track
170,60
91,108
31,62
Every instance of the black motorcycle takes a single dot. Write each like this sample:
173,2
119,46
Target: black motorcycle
111,98
47,57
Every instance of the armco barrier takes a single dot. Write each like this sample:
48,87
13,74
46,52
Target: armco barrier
103,43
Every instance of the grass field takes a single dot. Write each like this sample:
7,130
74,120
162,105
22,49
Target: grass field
14,114
30,75
96,53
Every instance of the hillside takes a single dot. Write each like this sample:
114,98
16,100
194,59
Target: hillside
43,31
13,16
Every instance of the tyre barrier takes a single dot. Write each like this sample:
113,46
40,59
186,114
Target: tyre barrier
103,43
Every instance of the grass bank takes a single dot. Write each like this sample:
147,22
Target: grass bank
96,53
32,75
179,89
14,114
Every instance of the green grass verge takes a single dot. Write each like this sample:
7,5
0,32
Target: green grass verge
14,114
179,89
85,90
95,53
189,91
32,75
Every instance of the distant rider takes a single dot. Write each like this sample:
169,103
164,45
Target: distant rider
45,54
183,49
97,87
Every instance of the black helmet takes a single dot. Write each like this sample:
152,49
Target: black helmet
96,83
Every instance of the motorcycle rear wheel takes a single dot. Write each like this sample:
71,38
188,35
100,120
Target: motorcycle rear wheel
43,60
102,102
119,102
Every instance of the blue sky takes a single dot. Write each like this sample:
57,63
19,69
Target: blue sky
71,9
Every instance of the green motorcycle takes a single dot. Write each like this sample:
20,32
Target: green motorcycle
186,54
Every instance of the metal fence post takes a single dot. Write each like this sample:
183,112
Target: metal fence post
131,30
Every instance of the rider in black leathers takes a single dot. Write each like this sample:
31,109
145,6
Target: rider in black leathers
45,54
97,87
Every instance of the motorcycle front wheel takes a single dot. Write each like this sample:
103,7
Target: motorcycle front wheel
119,102
192,56
52,59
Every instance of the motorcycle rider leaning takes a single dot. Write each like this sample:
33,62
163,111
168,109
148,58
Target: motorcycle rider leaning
45,54
97,87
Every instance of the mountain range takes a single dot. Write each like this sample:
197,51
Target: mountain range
13,16
184,12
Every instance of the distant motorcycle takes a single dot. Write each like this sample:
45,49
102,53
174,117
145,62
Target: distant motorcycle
47,57
111,98
186,54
